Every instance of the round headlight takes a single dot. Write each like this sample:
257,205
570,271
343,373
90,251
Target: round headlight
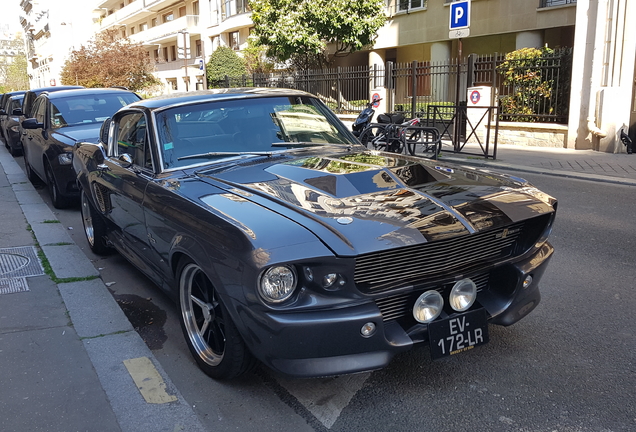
277,284
463,295
428,306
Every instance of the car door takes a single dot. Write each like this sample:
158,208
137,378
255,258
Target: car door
34,140
127,171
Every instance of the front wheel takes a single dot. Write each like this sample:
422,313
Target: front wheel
212,337
59,202
94,227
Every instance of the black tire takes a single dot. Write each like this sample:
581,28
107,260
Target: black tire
59,202
94,227
412,141
374,138
365,138
210,334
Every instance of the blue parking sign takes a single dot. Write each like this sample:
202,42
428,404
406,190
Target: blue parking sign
459,15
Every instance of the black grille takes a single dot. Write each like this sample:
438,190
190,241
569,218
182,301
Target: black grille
400,305
102,197
381,271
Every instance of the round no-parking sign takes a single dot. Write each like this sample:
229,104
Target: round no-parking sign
475,96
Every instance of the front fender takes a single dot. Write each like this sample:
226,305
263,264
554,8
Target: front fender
86,158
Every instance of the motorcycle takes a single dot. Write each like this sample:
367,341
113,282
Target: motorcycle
364,118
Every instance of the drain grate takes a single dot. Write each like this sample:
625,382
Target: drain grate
15,285
16,264
19,262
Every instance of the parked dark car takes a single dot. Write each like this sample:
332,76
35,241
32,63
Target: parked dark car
10,111
60,119
285,240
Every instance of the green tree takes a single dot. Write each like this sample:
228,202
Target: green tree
256,59
110,60
17,77
311,33
224,61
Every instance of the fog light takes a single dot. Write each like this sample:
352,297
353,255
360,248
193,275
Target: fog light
329,280
527,281
368,329
428,306
463,295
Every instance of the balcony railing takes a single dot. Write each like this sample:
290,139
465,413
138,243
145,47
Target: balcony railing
169,30
551,3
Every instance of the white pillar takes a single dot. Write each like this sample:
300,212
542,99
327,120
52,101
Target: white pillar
529,39
440,55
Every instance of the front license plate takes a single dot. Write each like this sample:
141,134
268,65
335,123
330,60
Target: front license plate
458,334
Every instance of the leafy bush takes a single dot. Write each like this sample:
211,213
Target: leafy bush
223,62
529,90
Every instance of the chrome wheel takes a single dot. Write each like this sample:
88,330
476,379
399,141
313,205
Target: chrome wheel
87,219
202,314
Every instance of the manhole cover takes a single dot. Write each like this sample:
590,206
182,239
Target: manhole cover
15,285
19,262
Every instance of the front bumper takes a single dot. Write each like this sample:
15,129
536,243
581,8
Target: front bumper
329,342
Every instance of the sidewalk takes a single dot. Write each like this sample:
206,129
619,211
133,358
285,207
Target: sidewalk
581,164
70,359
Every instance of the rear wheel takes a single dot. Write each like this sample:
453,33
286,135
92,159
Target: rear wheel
57,199
212,337
94,227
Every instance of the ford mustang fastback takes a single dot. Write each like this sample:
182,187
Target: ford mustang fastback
285,241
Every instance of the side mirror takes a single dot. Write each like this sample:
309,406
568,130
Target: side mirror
17,112
126,160
103,132
32,124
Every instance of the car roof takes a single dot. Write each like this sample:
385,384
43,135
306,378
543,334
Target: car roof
85,91
53,89
214,94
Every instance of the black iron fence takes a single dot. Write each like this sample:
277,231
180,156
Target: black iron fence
413,87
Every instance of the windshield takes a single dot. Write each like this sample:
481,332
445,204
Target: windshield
191,134
89,108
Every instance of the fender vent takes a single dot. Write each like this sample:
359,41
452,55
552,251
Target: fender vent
102,197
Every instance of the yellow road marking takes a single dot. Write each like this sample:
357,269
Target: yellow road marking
148,380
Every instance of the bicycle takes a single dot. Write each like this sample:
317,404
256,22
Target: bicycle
397,137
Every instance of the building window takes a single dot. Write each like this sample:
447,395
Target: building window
121,5
173,53
550,3
165,53
182,11
132,30
123,33
198,50
153,23
233,7
172,83
168,17
233,40
406,5
195,8
143,27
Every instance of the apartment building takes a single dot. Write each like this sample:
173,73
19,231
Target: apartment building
179,35
52,29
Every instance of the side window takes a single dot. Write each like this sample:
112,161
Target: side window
39,110
132,138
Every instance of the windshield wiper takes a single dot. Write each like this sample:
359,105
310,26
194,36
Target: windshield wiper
306,144
214,154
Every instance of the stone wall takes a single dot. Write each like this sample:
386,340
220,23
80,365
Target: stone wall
532,134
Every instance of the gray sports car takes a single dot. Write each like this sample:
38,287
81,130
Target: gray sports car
284,240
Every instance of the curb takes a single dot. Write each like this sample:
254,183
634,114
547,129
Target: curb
110,340
545,171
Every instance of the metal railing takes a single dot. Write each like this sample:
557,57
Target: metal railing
551,3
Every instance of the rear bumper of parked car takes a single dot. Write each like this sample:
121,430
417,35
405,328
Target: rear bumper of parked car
330,342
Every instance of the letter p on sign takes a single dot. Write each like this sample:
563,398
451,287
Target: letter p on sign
459,15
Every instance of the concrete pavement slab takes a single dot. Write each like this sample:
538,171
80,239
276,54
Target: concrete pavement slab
133,412
68,261
48,383
51,234
80,299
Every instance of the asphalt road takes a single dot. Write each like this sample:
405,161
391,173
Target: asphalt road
569,366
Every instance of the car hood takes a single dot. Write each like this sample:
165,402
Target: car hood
362,202
84,132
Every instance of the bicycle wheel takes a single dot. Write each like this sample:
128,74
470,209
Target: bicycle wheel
412,140
373,140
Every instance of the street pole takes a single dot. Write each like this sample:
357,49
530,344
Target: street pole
185,60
